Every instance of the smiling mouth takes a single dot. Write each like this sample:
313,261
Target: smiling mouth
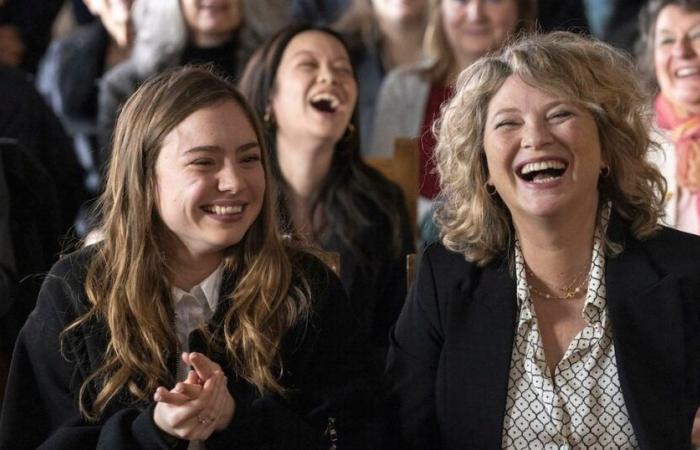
223,210
687,72
542,171
327,103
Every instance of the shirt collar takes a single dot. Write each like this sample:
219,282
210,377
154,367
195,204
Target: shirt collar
594,307
207,290
594,311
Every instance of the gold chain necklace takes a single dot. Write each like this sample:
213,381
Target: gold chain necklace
570,291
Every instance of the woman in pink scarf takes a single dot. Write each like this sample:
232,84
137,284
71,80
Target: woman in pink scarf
671,46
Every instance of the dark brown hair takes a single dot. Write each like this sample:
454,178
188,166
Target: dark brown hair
350,183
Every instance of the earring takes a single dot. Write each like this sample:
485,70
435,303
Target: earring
490,189
605,171
269,119
349,132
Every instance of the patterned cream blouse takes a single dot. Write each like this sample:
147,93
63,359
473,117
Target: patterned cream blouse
581,405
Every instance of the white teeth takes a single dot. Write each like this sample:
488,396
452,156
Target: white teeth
330,98
540,180
222,210
687,71
542,165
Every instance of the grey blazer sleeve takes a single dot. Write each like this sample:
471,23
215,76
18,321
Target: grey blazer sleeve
115,88
400,109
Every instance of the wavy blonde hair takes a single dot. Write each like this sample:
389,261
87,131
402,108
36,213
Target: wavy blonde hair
437,48
590,73
125,285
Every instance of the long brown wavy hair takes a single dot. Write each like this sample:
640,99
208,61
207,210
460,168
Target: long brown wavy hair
125,286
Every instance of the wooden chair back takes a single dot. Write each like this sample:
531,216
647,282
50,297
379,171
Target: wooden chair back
402,169
410,270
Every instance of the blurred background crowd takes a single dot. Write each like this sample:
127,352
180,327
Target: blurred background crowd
66,67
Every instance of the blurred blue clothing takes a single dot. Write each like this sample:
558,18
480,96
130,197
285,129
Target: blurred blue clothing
598,13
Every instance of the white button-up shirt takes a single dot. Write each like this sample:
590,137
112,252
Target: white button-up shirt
192,310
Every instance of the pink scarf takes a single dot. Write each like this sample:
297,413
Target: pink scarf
685,134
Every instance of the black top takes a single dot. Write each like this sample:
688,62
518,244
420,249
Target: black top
225,57
8,268
33,217
26,118
326,373
376,285
450,351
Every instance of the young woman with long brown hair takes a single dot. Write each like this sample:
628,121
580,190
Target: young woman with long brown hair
193,320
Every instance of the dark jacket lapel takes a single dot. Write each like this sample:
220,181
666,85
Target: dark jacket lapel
646,312
478,357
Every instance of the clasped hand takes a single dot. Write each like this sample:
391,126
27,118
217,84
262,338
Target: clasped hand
198,406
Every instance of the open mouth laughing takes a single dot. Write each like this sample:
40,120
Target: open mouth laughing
541,172
325,102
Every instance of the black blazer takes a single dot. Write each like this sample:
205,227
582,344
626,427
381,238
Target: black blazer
450,351
326,373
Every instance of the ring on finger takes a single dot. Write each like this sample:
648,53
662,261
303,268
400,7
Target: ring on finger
203,420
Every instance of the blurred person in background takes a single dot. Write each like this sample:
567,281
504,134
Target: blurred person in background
458,33
382,34
25,117
302,82
31,234
45,184
669,51
171,33
70,73
25,31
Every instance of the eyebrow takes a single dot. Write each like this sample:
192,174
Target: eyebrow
214,148
505,111
311,53
549,105
670,30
